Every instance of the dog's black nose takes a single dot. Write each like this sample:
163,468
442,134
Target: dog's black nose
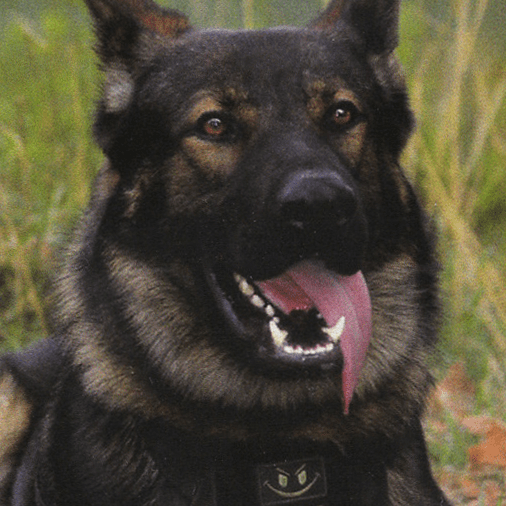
310,198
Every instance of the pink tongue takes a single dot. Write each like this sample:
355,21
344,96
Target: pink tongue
310,285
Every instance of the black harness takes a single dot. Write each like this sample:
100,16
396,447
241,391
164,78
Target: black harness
219,473
204,472
269,473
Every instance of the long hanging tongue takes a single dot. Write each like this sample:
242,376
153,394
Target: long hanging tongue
310,285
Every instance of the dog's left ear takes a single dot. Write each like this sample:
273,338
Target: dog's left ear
375,21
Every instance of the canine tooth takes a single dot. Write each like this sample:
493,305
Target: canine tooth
244,286
257,301
335,332
270,311
278,335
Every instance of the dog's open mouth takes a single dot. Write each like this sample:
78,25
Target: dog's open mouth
307,316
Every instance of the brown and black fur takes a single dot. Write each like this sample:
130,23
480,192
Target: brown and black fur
147,395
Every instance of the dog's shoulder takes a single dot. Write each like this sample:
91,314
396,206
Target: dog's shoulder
26,380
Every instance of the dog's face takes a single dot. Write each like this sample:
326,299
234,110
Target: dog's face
259,170
268,151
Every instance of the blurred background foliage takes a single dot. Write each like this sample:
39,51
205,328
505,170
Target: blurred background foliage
454,55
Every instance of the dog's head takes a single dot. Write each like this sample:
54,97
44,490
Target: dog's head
264,164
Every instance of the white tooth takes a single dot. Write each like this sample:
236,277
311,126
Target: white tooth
335,332
278,335
270,311
257,301
329,347
289,349
246,288
276,319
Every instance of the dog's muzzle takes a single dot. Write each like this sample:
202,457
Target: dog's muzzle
290,284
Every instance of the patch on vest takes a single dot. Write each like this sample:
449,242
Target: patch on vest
288,482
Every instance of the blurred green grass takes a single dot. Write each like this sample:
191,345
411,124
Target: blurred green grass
454,55
47,159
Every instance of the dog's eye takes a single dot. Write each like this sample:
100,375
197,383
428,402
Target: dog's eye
343,115
216,126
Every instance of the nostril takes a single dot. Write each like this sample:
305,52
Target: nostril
310,198
297,214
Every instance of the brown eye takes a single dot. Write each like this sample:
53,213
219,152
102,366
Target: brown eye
218,126
344,114
214,127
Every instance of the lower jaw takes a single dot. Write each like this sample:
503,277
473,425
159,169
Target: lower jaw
325,354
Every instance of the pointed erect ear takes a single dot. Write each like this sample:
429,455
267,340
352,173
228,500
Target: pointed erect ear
375,21
129,33
118,24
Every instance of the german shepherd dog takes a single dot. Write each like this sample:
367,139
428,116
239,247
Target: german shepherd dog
247,308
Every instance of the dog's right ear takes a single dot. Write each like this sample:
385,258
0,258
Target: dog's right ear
118,22
128,33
